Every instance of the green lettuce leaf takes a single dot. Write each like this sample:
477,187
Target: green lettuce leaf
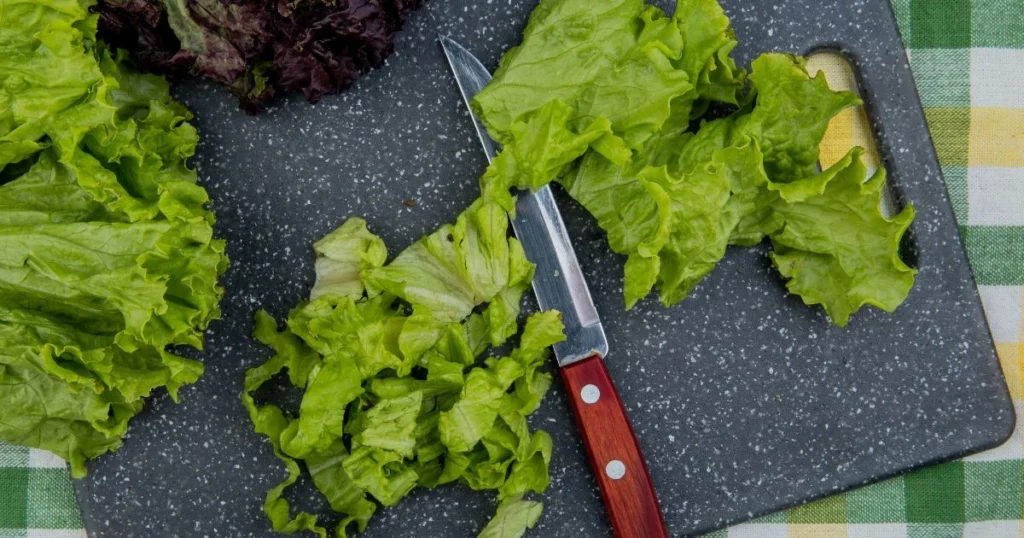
542,146
343,494
331,386
836,249
791,115
513,518
107,255
674,226
708,41
293,356
448,273
613,61
342,256
614,128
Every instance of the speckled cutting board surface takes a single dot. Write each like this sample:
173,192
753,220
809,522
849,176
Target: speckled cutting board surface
745,401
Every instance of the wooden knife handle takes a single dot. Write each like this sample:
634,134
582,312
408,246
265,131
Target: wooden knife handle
614,453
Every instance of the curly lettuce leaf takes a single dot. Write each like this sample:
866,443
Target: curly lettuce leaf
291,355
448,273
708,41
674,227
836,248
674,206
542,146
107,255
791,115
257,50
473,415
343,494
613,61
332,385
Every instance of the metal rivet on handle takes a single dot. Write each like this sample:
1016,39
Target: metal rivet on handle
615,469
590,394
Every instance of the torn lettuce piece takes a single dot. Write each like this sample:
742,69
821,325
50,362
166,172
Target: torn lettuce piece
836,248
293,356
344,496
513,518
542,146
708,41
791,115
613,61
674,228
342,255
378,416
448,273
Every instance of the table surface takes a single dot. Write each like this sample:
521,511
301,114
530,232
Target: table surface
966,57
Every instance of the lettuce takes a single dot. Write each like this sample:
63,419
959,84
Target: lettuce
107,255
396,390
835,248
624,61
258,50
615,129
514,516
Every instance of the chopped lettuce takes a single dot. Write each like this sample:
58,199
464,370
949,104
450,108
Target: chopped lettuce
396,390
614,128
107,255
513,518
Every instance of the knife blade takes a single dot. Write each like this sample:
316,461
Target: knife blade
558,280
612,447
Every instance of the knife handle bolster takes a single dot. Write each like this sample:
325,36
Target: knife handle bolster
613,450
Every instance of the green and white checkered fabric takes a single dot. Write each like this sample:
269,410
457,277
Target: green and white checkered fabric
968,59
36,500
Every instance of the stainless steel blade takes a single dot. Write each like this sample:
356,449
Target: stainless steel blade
558,281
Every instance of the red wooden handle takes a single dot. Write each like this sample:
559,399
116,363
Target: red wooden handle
614,453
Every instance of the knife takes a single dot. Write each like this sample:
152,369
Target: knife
611,445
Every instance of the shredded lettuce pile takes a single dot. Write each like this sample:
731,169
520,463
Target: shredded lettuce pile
399,389
614,129
107,255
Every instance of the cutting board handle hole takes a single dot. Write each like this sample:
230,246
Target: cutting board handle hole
854,127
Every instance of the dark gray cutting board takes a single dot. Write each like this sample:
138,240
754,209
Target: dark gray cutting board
745,400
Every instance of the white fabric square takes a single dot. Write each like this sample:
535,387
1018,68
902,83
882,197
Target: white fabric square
44,459
876,530
996,78
1003,305
995,195
57,533
992,529
759,530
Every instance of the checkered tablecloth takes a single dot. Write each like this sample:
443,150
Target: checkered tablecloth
968,59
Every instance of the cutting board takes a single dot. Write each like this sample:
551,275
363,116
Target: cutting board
745,400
